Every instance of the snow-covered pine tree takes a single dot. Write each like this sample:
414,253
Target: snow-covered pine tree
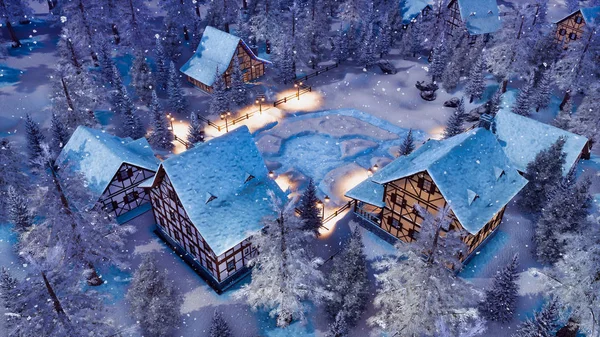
310,213
283,277
285,59
171,40
11,173
543,173
501,299
60,135
348,282
476,82
181,15
11,12
195,130
134,21
106,62
161,137
563,119
413,295
339,327
219,327
176,99
494,103
153,299
543,324
523,103
586,120
119,94
542,96
35,137
557,221
451,76
454,125
219,100
69,55
408,145
18,210
162,64
142,79
131,125
439,61
239,94
340,46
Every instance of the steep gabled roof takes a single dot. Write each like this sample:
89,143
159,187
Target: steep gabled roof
480,16
99,155
410,9
211,181
215,51
464,170
591,15
522,138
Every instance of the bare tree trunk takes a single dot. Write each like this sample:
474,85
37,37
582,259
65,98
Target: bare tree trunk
565,99
13,35
115,31
67,94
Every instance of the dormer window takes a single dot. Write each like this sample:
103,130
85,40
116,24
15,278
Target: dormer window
472,14
579,19
210,197
248,177
498,172
472,196
490,12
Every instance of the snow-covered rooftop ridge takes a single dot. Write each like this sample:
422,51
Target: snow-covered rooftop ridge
464,168
215,52
591,15
99,155
480,16
522,138
410,9
220,168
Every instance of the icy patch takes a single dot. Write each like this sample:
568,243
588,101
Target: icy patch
201,297
533,282
151,247
353,147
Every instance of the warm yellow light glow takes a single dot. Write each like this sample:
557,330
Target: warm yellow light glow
285,182
437,132
180,129
309,101
254,122
328,228
351,179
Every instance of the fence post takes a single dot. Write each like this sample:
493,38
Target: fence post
247,117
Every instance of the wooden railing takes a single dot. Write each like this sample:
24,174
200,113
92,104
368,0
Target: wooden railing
315,74
303,89
231,122
337,212
182,141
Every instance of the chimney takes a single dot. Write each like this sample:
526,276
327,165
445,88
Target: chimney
485,121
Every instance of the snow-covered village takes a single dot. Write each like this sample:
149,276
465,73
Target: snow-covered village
299,168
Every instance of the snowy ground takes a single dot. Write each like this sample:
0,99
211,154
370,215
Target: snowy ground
354,119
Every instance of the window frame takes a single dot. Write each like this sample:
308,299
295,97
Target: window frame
231,265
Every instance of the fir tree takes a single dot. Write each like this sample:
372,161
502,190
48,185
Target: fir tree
283,275
310,213
501,299
543,173
348,281
153,300
543,324
494,103
408,145
219,327
11,173
239,94
171,40
60,135
523,103
451,76
195,130
132,125
219,100
542,96
454,125
567,208
161,137
177,100
34,139
120,97
476,83
285,62
339,327
563,119
141,78
162,65
106,63
340,44
439,61
18,210
586,120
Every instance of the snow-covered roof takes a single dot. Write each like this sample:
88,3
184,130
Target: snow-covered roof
369,192
215,51
522,138
591,15
213,181
410,9
99,155
465,170
480,16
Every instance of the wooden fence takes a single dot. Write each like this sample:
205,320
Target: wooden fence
300,90
231,122
315,74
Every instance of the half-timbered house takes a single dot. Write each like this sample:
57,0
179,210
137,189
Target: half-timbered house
214,57
113,167
411,10
209,200
468,172
473,17
522,138
573,27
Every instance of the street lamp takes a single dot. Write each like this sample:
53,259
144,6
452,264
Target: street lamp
375,167
271,174
224,116
322,207
259,100
298,85
327,199
171,120
369,172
